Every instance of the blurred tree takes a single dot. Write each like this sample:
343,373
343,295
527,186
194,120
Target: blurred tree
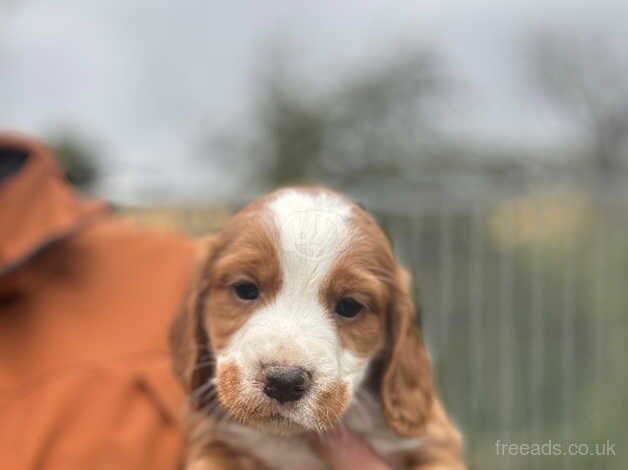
77,158
585,79
293,131
374,124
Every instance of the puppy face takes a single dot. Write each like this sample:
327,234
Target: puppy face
297,298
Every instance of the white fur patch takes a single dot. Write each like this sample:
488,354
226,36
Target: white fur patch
312,227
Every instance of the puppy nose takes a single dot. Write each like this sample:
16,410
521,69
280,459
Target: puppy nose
286,383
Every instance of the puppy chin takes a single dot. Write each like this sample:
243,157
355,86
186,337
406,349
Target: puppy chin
280,426
269,417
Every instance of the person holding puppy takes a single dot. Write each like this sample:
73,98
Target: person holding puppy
86,302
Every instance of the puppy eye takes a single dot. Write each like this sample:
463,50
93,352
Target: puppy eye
348,307
246,290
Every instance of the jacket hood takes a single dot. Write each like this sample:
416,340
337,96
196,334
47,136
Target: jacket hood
38,208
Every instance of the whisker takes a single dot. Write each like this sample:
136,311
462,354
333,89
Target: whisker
203,364
200,391
211,408
195,348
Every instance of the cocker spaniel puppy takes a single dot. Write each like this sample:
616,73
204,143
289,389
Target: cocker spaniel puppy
300,321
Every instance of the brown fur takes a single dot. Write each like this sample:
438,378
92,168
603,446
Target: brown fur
363,334
229,392
247,252
219,456
332,403
406,386
211,298
369,269
188,338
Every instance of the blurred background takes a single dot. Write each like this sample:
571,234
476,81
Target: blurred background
489,137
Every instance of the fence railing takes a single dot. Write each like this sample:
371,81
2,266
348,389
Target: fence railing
524,301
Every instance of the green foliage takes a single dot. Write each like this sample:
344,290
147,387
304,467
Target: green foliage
586,80
373,124
77,159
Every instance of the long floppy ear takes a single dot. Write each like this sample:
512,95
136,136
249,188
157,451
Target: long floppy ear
406,385
189,341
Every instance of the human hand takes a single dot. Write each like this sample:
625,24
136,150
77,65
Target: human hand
342,449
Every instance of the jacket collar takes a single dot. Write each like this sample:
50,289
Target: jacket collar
37,206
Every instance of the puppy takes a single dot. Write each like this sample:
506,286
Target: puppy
301,321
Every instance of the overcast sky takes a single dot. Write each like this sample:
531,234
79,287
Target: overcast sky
147,79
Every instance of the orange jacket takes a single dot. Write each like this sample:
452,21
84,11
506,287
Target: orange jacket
85,307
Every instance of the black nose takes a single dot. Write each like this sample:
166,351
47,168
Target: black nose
286,383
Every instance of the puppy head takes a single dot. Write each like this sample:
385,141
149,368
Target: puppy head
297,300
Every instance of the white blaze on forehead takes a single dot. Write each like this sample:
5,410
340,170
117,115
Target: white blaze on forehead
313,232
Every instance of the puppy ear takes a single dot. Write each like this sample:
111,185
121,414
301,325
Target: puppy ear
189,341
406,385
